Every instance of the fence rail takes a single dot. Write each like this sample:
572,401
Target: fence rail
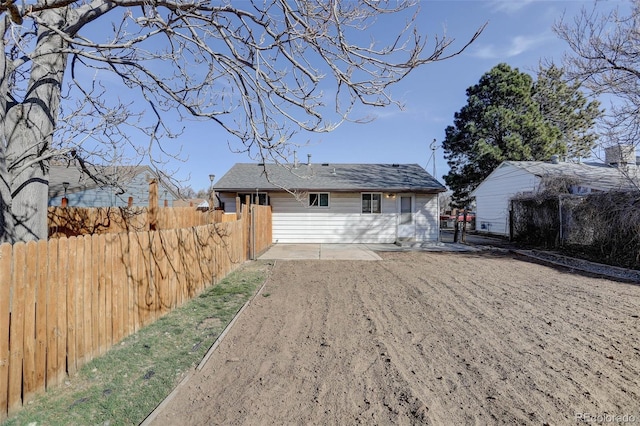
74,221
67,300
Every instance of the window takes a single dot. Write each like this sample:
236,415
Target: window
371,203
260,198
577,189
319,199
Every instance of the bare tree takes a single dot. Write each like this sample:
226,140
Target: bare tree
605,58
259,69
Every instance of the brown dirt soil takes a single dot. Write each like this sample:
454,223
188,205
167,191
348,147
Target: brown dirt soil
423,338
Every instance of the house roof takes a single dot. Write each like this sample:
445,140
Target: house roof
191,202
597,176
328,177
105,176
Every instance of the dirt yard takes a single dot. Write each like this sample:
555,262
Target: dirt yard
423,338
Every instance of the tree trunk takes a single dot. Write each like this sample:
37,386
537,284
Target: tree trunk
29,127
6,219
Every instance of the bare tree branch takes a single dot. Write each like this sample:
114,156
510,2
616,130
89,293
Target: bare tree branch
605,58
261,70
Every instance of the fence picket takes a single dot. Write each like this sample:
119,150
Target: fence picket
116,291
6,257
145,285
17,327
29,360
41,315
127,301
72,326
172,244
162,269
96,248
108,290
136,268
77,300
100,296
63,262
87,317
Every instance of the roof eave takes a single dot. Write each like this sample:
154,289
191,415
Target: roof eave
275,189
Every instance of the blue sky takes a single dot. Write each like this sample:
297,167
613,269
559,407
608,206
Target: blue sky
519,33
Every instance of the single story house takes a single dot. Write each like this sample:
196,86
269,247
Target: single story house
110,186
511,178
339,203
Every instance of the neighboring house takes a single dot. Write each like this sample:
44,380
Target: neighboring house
196,203
109,186
339,203
527,177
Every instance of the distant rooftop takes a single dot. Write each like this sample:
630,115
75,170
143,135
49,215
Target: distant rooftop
599,176
103,176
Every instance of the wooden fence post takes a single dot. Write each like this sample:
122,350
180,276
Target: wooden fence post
246,223
153,205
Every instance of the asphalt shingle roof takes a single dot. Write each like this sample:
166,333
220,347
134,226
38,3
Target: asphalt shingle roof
329,177
598,176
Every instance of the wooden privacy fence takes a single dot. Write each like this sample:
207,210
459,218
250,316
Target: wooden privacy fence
260,230
67,300
74,221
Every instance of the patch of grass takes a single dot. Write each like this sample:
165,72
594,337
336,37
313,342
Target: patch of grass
124,386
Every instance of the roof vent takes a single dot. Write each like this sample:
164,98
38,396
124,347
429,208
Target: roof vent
325,164
395,165
555,159
261,164
308,159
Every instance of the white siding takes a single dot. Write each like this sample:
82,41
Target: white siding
342,222
494,193
229,201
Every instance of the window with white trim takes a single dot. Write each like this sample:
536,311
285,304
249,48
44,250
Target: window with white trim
319,199
371,202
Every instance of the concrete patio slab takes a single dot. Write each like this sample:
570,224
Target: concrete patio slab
320,251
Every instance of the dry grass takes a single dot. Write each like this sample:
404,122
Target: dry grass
128,382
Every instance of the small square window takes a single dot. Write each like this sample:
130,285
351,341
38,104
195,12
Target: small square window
371,203
319,199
